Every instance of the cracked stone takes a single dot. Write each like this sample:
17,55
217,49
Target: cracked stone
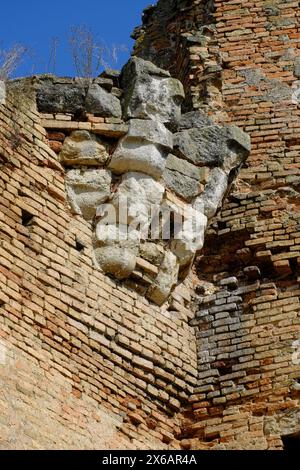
83,148
100,102
166,279
211,198
139,193
226,147
87,190
150,92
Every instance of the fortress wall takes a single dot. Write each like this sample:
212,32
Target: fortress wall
242,67
85,362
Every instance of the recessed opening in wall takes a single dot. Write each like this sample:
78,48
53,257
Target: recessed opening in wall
291,442
221,224
26,218
79,246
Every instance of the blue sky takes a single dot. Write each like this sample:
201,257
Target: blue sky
35,22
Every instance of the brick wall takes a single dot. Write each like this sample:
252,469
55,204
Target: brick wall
85,362
241,62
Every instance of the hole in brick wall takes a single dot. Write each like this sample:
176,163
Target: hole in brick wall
225,367
2,303
221,224
79,246
26,218
291,442
3,159
294,264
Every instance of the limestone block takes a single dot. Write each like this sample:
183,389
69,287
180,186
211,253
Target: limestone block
83,148
166,279
87,190
151,131
100,102
226,147
211,198
120,262
116,249
143,149
150,92
53,97
184,178
134,154
139,194
190,238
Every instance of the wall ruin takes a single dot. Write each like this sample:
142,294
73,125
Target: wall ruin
85,360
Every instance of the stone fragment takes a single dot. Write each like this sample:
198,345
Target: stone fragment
187,169
190,237
116,249
151,131
140,195
87,190
104,82
134,154
150,92
194,119
211,198
83,148
165,281
186,187
60,97
184,178
226,147
152,252
143,149
120,262
100,102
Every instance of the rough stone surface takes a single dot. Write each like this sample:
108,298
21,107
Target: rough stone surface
116,260
211,198
166,279
134,154
184,178
87,190
151,131
152,252
190,238
194,119
101,102
60,97
226,147
84,148
150,92
116,249
140,194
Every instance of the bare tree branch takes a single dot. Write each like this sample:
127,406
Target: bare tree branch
54,44
89,53
10,59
